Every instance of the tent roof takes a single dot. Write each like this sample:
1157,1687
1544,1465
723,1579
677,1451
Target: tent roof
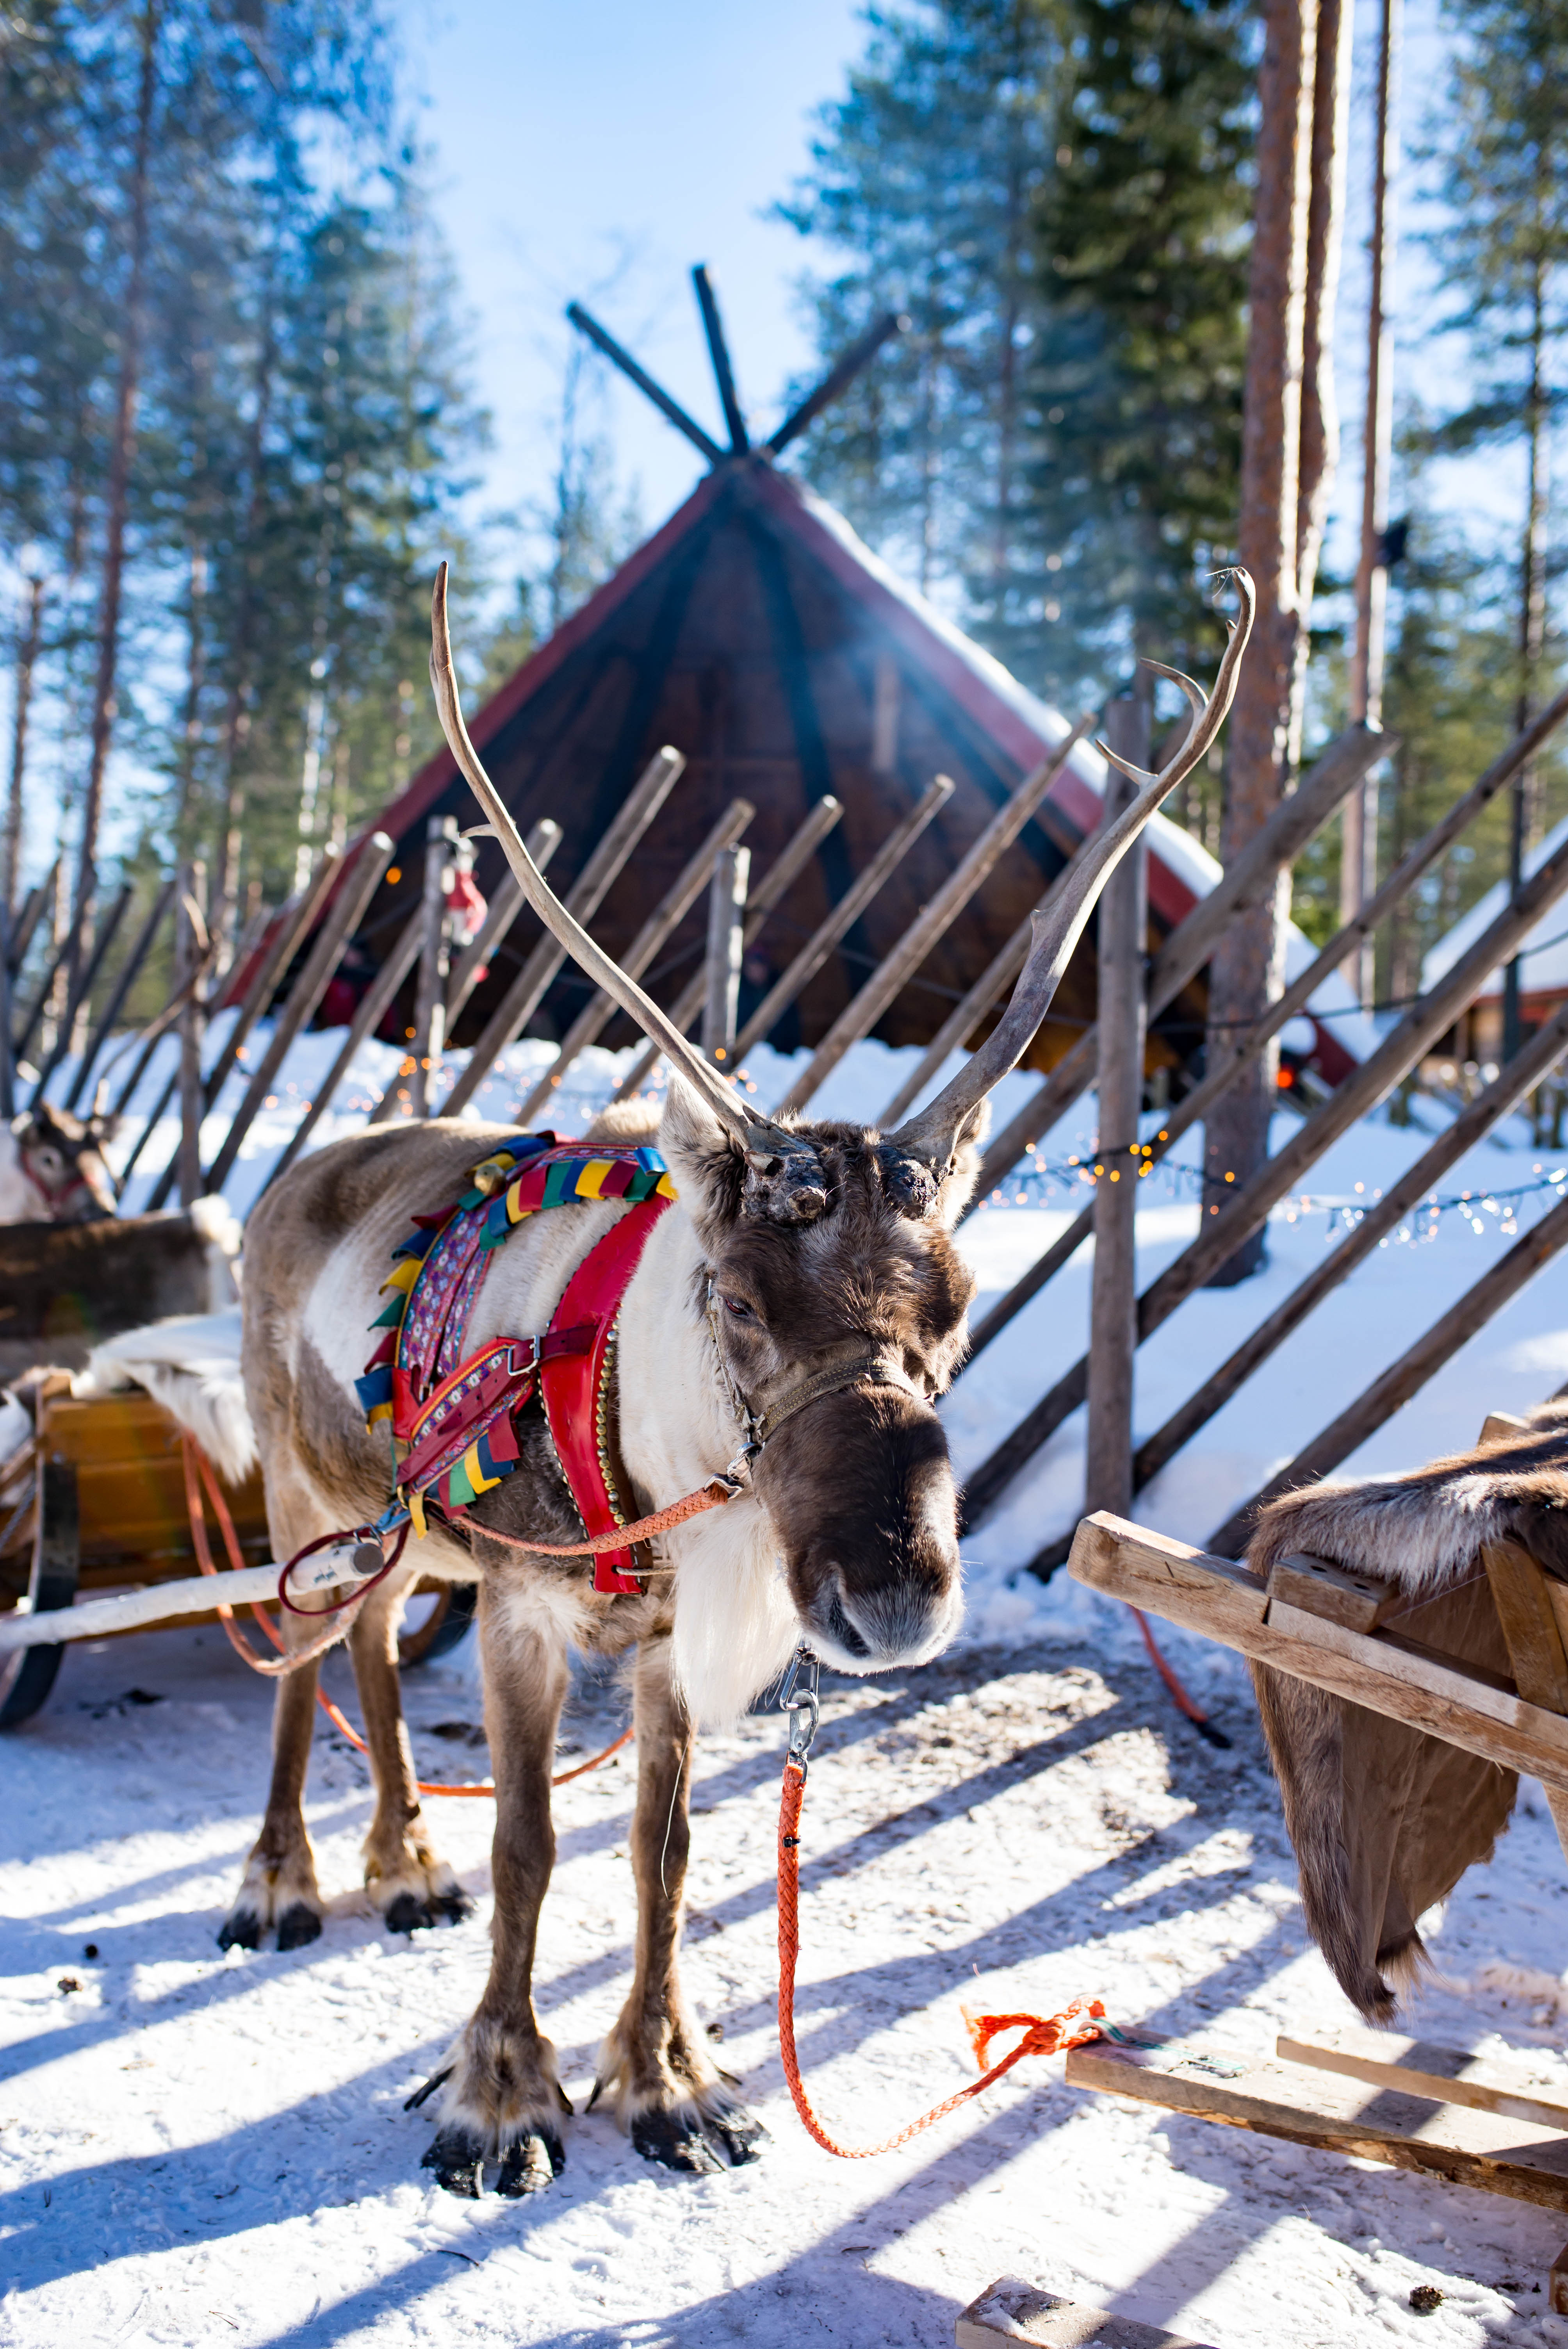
1545,949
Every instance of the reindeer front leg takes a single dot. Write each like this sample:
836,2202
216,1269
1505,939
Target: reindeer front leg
279,1887
502,2097
667,2089
404,1876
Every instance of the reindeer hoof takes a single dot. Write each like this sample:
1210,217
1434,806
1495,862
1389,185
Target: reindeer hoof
741,2133
298,1926
530,2164
457,2156
411,1913
242,1931
675,2141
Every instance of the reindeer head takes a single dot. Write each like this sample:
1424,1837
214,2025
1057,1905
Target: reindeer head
836,1299
62,1157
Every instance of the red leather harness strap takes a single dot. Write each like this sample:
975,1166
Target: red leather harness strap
571,1384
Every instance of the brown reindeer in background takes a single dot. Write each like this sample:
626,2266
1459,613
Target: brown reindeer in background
806,1286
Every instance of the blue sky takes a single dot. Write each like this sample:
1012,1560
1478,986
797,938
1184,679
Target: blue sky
598,149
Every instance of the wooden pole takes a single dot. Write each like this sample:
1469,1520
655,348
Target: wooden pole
1388,1393
435,954
933,921
1225,1227
1123,922
193,940
141,948
474,962
1249,879
542,844
528,989
600,1008
1358,850
7,1080
360,884
1382,1219
726,924
769,891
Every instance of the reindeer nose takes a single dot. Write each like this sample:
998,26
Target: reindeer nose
906,1619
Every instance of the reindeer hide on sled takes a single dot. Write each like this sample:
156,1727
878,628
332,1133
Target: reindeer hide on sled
1385,1819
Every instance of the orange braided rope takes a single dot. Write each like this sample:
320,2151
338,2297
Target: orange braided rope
711,1496
198,1471
1043,2034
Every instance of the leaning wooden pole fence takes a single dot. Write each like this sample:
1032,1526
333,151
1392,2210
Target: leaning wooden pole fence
1246,880
1376,1222
343,916
774,885
667,916
376,1002
933,921
290,927
528,989
1195,1106
130,970
435,954
1226,1228
83,980
1391,1391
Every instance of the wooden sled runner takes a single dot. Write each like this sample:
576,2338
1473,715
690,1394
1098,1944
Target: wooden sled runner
1401,2101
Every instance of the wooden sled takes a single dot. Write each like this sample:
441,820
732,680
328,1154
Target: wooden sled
96,1502
1400,2101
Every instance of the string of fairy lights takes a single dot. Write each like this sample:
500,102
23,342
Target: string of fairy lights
1042,1182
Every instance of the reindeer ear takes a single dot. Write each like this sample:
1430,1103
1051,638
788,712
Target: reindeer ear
957,1186
705,1163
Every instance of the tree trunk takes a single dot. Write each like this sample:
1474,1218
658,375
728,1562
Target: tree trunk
121,450
1531,638
26,660
236,718
1246,968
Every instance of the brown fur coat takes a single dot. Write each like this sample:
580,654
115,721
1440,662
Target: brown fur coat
1385,1819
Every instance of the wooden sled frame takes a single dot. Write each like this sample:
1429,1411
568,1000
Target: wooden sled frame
1429,2107
97,1503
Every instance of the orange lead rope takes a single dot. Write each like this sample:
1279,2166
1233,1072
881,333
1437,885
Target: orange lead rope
1043,2034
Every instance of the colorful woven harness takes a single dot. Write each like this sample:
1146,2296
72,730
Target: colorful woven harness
452,1416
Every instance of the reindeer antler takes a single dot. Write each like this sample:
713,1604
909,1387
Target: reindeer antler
931,1137
784,1177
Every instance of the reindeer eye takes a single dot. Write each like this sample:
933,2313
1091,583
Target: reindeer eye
738,1307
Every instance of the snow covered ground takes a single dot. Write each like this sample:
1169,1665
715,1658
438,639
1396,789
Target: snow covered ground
197,2147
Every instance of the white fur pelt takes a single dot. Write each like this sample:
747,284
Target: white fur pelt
1385,1819
191,1365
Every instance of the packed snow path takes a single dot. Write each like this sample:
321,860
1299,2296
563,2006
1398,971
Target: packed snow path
196,2147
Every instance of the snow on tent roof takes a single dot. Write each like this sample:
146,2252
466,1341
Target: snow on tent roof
1546,950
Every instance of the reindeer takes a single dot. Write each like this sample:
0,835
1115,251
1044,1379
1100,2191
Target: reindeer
800,1309
52,1168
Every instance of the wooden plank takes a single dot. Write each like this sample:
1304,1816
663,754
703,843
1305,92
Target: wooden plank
1011,2310
1389,1675
1522,1597
429,1037
1419,2067
1468,2145
1332,1592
